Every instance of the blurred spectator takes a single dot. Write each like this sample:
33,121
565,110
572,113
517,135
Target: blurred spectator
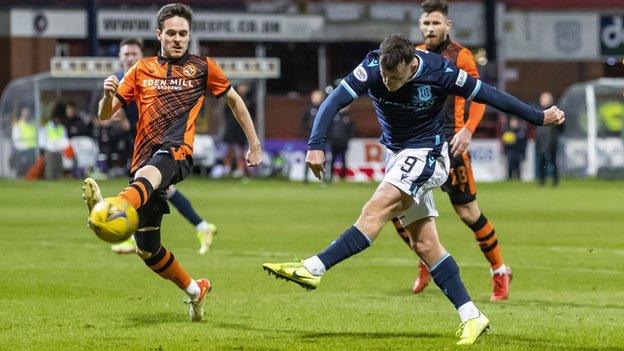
515,142
547,145
126,118
24,138
53,140
342,130
77,124
316,98
234,137
112,137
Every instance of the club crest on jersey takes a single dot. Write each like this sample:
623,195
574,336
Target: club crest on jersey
424,93
360,73
189,71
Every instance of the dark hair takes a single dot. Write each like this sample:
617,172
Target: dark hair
429,6
173,10
394,50
131,41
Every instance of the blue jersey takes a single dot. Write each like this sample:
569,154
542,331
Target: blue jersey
131,110
412,116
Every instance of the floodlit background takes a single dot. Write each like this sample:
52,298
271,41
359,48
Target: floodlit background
63,289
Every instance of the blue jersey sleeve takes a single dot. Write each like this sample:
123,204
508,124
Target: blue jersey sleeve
359,81
508,103
460,83
337,100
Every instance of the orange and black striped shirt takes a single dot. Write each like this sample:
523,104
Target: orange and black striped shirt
169,94
457,111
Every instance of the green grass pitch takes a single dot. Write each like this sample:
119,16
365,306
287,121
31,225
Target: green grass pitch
63,289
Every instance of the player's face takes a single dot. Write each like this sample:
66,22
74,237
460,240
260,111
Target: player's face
174,37
129,54
435,27
395,79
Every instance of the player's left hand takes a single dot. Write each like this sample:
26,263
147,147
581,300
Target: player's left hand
460,142
553,116
253,156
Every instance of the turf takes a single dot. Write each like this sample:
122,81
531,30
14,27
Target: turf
63,289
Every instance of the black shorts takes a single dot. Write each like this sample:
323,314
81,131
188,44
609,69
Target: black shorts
460,185
172,171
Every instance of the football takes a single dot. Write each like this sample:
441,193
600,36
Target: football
113,220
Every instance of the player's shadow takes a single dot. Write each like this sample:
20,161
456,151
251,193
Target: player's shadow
154,318
370,335
545,303
310,336
546,344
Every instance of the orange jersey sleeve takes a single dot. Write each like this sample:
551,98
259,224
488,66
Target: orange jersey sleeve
218,84
466,61
127,86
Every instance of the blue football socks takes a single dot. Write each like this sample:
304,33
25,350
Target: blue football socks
351,242
445,274
184,206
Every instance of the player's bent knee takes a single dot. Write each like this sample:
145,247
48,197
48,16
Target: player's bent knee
151,173
468,213
424,236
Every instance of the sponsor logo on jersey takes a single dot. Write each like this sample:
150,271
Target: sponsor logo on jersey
360,73
461,78
167,84
424,93
414,105
190,71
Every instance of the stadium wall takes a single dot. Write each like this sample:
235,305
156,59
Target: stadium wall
530,78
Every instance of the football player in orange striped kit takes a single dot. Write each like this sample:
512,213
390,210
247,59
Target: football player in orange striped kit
461,119
169,91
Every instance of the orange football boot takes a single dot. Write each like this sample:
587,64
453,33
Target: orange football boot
423,279
196,307
501,285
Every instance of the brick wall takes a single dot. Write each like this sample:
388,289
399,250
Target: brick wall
535,77
284,114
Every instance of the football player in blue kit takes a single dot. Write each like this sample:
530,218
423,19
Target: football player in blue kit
408,88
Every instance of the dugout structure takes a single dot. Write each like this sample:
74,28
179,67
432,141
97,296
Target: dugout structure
592,143
80,79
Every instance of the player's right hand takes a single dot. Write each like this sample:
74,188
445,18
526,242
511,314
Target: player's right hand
253,156
315,159
110,86
553,116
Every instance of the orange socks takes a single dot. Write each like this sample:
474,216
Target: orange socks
137,193
167,266
486,238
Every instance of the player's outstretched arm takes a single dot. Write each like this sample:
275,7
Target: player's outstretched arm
237,105
109,104
337,100
510,104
